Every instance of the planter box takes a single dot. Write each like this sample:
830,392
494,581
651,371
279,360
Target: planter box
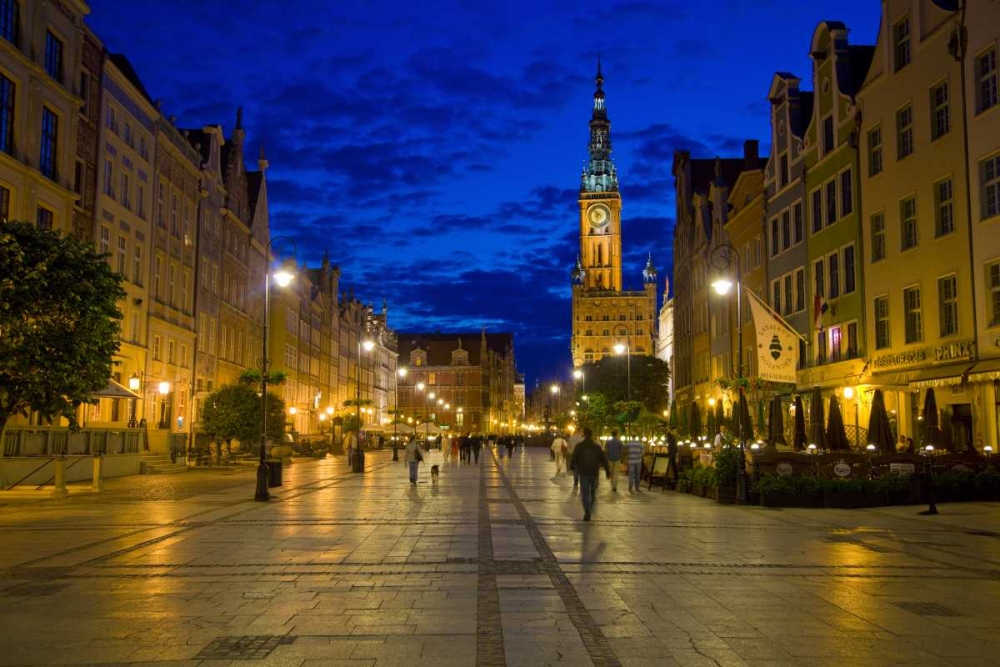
697,489
725,494
684,486
791,500
849,500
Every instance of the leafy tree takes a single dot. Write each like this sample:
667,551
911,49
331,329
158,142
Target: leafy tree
59,322
650,380
252,376
596,412
232,412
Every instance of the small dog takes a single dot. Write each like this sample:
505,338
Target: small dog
435,469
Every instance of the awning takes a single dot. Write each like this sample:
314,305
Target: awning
984,371
947,375
115,390
896,379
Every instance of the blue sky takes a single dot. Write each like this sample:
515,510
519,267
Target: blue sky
434,148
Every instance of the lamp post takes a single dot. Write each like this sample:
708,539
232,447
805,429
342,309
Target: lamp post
627,349
428,400
283,279
401,371
135,385
358,460
578,374
722,260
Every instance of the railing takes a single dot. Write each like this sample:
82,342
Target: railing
857,436
59,441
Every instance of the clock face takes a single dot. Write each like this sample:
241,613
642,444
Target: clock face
599,216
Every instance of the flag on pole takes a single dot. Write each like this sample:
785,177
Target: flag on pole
777,345
819,309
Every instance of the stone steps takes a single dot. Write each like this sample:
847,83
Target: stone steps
159,464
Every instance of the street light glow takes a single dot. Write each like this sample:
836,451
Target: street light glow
619,348
577,374
164,388
134,383
722,286
420,386
848,393
402,371
283,278
368,345
554,389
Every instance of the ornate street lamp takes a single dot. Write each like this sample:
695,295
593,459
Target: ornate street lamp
135,385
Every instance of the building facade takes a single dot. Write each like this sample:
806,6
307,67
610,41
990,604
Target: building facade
604,314
665,334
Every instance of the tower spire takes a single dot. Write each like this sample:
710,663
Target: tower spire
599,174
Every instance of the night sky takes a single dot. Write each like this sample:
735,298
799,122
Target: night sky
435,147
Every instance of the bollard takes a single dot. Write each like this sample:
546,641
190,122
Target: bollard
59,489
98,482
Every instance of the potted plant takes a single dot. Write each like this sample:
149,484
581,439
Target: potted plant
704,481
895,489
851,493
790,491
727,464
684,480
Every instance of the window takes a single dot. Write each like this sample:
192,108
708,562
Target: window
774,237
137,263
908,222
7,90
10,20
821,350
800,290
828,134
170,284
170,350
756,252
185,278
786,231
993,285
948,305
159,207
783,174
140,201
901,44
819,278
875,151
105,239
904,132
156,347
49,149
835,340
846,193
776,295
4,204
852,340
109,175
990,186
136,334
817,211
44,218
174,229
831,201
797,219
914,332
881,322
128,133
850,280
125,190
788,294
143,152
157,274
940,116
120,257
878,236
944,215
53,56
986,77
111,119
833,264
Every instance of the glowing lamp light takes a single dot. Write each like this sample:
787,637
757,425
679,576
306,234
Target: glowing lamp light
711,402
848,393
755,447
988,449
619,348
402,371
554,389
431,395
134,382
577,374
368,345
329,411
293,410
722,286
812,448
871,447
420,386
322,417
283,278
929,448
164,388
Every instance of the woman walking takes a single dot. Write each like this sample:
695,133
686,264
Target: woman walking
413,457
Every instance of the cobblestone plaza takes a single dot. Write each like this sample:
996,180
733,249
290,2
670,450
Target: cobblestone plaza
493,566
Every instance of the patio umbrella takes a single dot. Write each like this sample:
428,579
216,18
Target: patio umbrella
713,428
776,424
684,421
836,435
800,425
879,431
745,431
932,421
816,434
760,423
695,421
720,417
672,419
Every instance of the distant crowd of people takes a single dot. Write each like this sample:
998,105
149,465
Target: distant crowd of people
464,448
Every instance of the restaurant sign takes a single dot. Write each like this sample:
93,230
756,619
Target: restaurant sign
963,349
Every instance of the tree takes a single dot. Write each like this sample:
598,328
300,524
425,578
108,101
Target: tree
650,380
59,322
232,412
251,377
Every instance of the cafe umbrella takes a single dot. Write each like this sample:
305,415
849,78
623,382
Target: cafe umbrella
817,436
836,435
776,424
799,442
695,421
879,431
932,422
720,417
744,430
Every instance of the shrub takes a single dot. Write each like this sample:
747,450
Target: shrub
727,465
706,476
793,485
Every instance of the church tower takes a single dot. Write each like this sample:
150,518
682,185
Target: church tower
600,205
604,313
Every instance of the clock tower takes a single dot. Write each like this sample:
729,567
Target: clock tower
605,314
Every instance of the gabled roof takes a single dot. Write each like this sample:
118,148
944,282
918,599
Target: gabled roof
800,123
859,60
201,142
254,181
125,67
439,346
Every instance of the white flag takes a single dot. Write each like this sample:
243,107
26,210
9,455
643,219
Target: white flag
777,347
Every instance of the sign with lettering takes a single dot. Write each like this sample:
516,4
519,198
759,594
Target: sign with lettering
958,467
842,470
902,469
784,469
963,349
899,359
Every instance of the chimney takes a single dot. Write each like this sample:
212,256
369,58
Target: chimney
750,156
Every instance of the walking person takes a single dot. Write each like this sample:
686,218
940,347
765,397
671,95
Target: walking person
510,448
613,448
633,455
477,444
413,458
571,443
672,472
588,458
558,450
446,447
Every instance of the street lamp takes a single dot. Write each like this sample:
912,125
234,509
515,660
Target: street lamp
283,278
578,374
626,347
358,460
135,385
722,259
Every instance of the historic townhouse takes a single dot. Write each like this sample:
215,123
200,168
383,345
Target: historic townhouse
88,124
354,380
665,334
324,287
915,218
123,213
41,48
835,296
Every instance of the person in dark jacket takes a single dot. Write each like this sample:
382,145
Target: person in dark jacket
588,458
